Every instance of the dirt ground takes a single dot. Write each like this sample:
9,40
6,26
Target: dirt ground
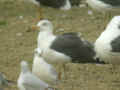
18,40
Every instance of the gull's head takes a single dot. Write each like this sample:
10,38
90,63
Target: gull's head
24,66
114,24
45,25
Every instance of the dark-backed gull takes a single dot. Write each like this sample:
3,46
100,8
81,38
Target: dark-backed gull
68,47
62,4
104,5
43,70
28,81
107,46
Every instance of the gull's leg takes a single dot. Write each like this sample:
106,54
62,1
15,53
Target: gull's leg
61,74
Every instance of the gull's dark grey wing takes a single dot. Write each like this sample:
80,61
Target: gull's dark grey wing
52,3
72,45
115,44
115,3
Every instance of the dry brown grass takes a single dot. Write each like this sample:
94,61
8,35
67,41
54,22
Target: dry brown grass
15,47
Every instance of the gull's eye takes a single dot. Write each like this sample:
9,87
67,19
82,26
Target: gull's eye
44,24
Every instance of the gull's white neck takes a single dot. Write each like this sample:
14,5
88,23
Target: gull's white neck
38,59
109,34
45,34
45,38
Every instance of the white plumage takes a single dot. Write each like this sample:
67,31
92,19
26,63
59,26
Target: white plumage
44,70
28,81
107,46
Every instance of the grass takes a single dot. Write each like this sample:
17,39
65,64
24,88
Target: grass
3,23
14,48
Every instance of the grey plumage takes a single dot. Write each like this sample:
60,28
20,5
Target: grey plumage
115,44
52,3
68,47
29,81
115,3
104,5
72,45
75,2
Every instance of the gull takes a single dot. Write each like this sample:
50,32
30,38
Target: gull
29,81
68,47
104,5
44,70
65,48
61,4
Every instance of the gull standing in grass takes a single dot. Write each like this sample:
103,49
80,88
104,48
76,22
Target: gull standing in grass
61,4
28,81
68,47
61,49
104,5
107,46
107,7
43,70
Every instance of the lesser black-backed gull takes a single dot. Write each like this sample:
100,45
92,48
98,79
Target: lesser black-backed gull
62,4
107,46
68,47
104,5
